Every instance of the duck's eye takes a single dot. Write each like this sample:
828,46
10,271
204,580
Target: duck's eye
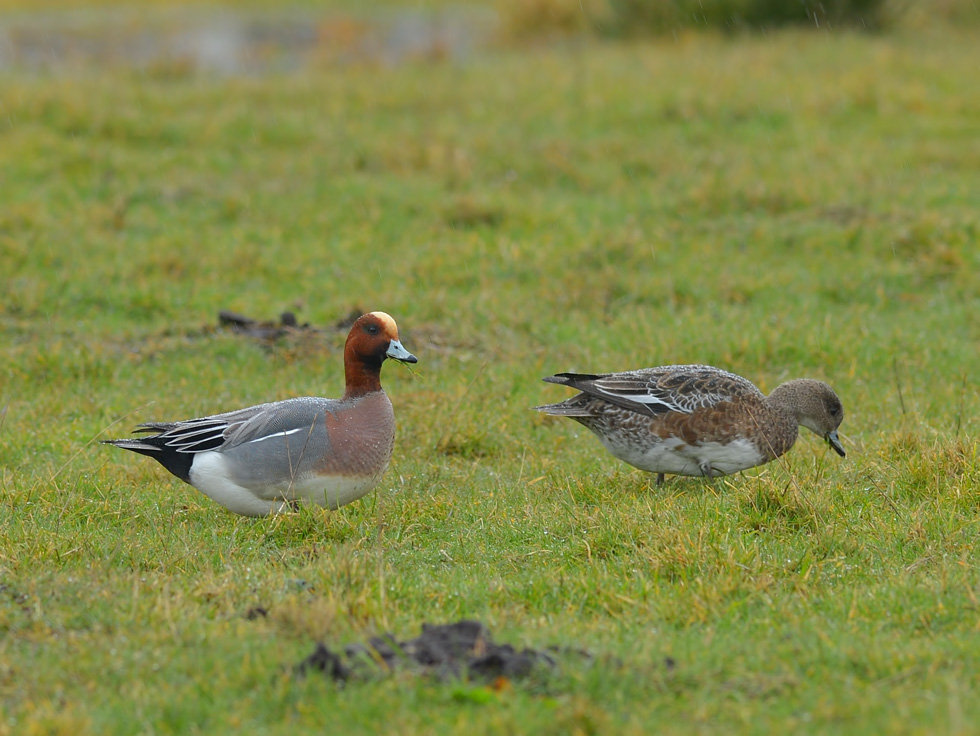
372,329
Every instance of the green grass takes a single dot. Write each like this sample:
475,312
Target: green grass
794,205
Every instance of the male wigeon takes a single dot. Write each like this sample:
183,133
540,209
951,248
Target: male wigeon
326,451
695,419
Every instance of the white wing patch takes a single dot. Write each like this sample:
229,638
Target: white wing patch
280,434
646,398
638,390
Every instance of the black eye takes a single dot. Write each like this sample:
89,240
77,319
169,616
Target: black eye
372,329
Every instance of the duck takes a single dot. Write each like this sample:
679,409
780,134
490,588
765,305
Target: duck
270,457
696,420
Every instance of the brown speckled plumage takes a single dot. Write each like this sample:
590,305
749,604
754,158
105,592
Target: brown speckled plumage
695,419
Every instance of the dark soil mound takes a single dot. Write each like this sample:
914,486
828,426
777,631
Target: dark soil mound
448,651
287,325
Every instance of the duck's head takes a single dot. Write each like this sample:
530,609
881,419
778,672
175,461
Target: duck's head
373,338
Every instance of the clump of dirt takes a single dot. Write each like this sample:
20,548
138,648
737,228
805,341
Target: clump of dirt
287,325
447,651
256,612
345,323
269,332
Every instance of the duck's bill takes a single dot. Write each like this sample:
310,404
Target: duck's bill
834,441
397,351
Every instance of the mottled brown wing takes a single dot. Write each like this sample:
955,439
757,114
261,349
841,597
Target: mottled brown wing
680,389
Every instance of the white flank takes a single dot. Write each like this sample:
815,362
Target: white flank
677,458
209,474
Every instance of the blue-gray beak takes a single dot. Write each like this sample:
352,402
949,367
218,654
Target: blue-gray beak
397,351
834,441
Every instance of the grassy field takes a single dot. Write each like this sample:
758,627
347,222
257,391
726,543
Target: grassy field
780,206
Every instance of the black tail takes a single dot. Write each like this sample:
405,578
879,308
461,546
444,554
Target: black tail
178,463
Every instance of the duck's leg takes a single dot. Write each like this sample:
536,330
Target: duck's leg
706,470
660,479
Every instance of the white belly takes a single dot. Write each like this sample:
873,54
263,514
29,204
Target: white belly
675,457
209,475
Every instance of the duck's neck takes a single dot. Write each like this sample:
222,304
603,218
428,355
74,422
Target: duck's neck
784,400
363,375
783,420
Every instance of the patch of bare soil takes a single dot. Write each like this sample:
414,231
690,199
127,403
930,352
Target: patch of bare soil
267,330
464,649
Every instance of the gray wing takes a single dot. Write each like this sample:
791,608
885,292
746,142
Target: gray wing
235,428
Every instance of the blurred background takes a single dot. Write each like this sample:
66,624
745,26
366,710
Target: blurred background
254,37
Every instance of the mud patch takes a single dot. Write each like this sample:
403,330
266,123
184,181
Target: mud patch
464,649
284,335
267,330
345,323
256,612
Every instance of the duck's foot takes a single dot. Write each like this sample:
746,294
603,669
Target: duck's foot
660,479
287,506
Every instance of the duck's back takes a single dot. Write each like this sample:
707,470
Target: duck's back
683,389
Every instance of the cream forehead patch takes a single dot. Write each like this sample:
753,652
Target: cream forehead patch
386,322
